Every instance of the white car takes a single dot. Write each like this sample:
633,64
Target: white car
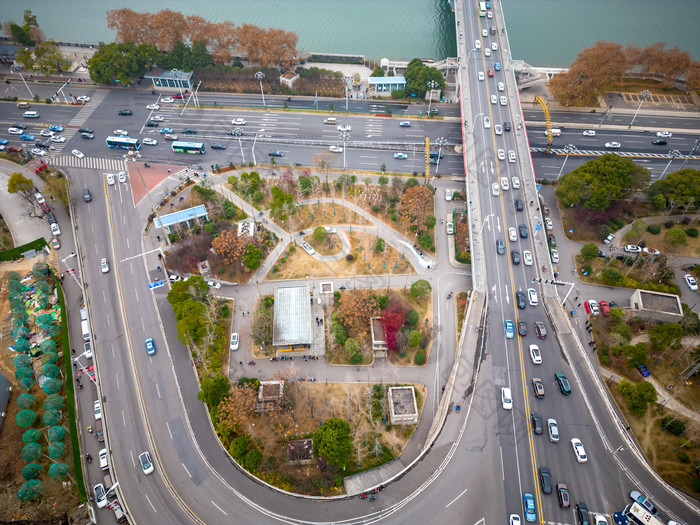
609,238
214,284
104,265
308,248
589,133
489,14
121,132
512,234
83,98
39,198
100,496
593,307
511,156
487,52
612,145
38,151
238,122
329,229
78,153
487,122
88,345
450,228
98,410
579,450
167,99
448,194
664,134
555,256
494,99
494,46
501,154
477,44
505,184
110,179
104,464
344,127
527,258
514,519
46,133
55,230
122,176
58,138
495,190
150,142
153,106
14,131
146,463
548,223
335,149
481,75
498,128
532,297
651,251
157,118
535,355
602,520
504,101
501,86
632,248
506,398
553,429
515,180
691,282
484,32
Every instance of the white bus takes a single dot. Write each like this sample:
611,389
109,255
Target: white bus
482,8
640,515
123,142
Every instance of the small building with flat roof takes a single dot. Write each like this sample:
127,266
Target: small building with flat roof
187,217
173,79
664,307
387,84
291,323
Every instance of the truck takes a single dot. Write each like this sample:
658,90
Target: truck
99,431
85,327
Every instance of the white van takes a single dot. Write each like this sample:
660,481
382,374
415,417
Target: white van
31,114
330,120
104,463
83,314
23,105
85,326
555,132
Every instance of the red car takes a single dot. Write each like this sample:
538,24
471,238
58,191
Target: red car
178,95
604,308
490,72
16,149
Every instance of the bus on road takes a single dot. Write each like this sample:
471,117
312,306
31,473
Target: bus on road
640,515
482,8
123,142
188,147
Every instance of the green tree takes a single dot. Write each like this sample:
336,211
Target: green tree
123,61
281,201
214,390
319,234
658,201
430,221
680,187
637,354
418,75
333,442
19,183
306,186
663,335
352,346
200,56
420,289
414,338
426,242
589,251
675,237
383,181
379,245
637,395
252,257
378,72
20,35
611,276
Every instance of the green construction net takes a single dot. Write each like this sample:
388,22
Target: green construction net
26,383
30,471
40,270
13,276
43,287
23,371
31,490
31,435
51,417
42,300
31,452
51,370
57,433
25,400
53,402
21,360
20,332
51,386
56,449
21,346
58,471
49,356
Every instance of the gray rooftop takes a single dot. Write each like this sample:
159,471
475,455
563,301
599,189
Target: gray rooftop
292,319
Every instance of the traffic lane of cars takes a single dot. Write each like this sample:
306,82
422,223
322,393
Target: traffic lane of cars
646,142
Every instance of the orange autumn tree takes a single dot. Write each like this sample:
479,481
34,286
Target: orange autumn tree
355,310
237,410
229,246
416,202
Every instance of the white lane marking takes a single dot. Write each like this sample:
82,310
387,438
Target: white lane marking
458,496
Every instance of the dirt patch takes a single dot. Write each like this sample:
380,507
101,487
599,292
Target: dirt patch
331,246
645,269
297,264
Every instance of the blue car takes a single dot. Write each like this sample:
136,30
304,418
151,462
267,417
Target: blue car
497,66
26,136
3,141
165,130
530,512
150,347
488,5
510,332
56,127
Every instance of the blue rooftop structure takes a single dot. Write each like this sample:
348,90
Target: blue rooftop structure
172,79
189,217
387,83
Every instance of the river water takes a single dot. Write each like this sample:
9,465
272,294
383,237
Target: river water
541,32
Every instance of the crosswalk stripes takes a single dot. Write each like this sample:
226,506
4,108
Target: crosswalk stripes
69,161
597,153
81,117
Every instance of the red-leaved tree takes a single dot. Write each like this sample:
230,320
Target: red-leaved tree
393,318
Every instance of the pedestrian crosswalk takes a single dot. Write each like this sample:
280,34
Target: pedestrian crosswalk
70,161
86,110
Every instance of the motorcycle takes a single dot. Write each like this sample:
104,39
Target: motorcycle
289,99
146,164
449,295
89,458
251,362
458,407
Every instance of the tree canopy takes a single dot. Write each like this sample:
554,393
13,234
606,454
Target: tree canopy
124,62
599,182
680,187
418,75
333,442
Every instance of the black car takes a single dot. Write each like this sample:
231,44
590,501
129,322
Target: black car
659,142
87,135
523,231
540,329
235,132
151,124
552,240
125,112
189,131
515,256
582,514
613,304
506,126
601,253
563,496
86,130
20,126
500,247
276,153
520,298
86,195
218,145
536,423
51,218
545,480
522,328
518,205
44,145
563,383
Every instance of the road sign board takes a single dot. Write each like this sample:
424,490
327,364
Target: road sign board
155,284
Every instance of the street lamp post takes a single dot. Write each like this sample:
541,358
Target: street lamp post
432,84
692,152
646,93
674,155
569,149
344,136
347,80
471,131
260,75
440,141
